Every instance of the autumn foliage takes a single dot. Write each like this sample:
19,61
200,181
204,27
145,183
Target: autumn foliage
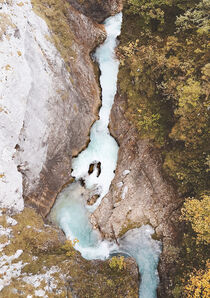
164,76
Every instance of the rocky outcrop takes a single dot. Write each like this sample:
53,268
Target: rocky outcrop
98,10
139,193
46,111
71,109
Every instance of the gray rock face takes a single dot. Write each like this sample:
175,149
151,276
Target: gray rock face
61,107
139,193
97,10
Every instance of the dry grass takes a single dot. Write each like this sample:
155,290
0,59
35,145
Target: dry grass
55,13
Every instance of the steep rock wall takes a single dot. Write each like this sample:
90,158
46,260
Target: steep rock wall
46,111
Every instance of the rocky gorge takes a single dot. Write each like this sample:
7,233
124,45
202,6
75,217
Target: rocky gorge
50,98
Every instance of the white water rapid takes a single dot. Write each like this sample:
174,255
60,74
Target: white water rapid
102,147
70,211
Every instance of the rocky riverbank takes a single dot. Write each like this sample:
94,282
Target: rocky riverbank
36,260
139,194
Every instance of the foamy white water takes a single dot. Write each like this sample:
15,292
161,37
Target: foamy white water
102,147
70,211
71,214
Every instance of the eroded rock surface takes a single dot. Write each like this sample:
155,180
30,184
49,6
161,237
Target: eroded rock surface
139,193
97,10
48,111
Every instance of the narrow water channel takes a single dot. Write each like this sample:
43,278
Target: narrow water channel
102,148
95,167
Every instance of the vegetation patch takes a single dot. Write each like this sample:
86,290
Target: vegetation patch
53,267
117,263
164,76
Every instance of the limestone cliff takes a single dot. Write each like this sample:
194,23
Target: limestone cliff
71,109
49,98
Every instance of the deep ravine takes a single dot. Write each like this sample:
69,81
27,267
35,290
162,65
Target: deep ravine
70,211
